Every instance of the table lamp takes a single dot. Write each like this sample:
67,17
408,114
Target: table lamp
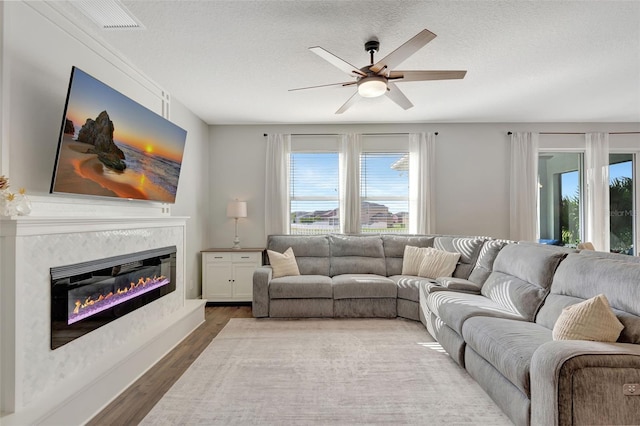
236,209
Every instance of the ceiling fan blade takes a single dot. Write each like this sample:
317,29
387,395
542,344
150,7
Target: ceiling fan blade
397,96
399,76
352,100
337,62
403,52
347,83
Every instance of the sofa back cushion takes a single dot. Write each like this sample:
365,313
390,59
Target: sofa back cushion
487,256
613,256
468,247
356,254
581,277
394,245
311,251
521,277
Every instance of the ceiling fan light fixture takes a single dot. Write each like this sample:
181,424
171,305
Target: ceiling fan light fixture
372,87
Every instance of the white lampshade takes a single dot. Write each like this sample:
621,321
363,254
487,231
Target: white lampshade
372,87
237,209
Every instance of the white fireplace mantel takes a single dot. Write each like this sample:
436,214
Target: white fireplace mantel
36,225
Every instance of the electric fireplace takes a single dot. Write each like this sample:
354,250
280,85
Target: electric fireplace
88,295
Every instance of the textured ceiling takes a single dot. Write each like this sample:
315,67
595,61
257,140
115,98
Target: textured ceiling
232,62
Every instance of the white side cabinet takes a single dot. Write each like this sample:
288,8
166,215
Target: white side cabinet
227,275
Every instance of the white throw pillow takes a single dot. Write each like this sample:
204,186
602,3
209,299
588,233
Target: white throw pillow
283,264
412,259
438,263
592,319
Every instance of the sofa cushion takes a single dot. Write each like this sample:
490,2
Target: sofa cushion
301,287
506,344
437,263
311,251
459,284
354,254
612,256
592,319
455,308
283,264
486,258
363,286
408,286
580,277
521,277
394,245
468,247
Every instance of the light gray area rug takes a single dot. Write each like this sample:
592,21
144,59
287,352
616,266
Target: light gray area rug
324,371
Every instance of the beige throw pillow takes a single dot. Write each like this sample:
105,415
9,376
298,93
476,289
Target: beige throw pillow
438,263
283,264
412,259
592,319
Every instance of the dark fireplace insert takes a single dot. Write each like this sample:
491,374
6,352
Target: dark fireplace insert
88,295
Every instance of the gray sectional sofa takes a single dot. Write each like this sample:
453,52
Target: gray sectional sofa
494,316
351,275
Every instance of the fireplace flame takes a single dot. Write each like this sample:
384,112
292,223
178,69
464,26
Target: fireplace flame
89,301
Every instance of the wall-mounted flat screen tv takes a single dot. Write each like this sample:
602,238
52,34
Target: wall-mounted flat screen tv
111,146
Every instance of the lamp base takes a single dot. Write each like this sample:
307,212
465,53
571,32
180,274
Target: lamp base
236,244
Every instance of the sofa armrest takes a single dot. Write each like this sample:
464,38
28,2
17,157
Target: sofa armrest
261,278
581,382
458,284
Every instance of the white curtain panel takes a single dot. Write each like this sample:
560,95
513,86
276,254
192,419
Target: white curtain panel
276,186
523,191
422,154
597,195
350,149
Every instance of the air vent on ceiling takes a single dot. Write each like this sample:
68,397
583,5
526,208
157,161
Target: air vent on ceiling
108,14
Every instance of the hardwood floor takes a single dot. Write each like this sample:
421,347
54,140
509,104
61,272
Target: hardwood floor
136,401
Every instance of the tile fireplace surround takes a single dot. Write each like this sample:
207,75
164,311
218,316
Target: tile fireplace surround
71,383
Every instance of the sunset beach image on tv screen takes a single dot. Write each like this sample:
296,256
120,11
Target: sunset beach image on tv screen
112,146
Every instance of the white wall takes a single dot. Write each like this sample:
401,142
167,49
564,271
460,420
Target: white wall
192,199
472,173
39,47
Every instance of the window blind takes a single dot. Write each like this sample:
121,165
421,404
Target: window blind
314,192
384,189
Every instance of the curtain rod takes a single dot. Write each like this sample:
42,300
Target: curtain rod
340,134
582,133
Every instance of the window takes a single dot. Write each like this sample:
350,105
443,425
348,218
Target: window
313,192
560,197
622,210
384,191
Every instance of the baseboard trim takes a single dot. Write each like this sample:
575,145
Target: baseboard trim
78,401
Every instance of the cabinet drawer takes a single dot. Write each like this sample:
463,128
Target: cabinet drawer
252,257
218,257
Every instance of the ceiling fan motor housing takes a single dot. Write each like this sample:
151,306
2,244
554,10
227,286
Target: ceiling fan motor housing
372,45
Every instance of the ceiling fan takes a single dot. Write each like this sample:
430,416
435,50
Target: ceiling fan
377,79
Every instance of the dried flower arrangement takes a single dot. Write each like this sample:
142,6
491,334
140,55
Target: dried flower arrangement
11,203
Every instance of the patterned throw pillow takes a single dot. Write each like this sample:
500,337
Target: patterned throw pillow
592,319
283,264
412,259
438,263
